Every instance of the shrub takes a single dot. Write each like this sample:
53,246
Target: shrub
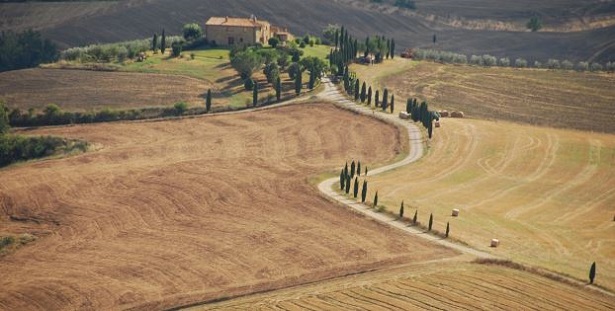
566,64
582,66
273,41
520,63
293,70
537,64
553,64
248,84
476,60
534,24
595,67
504,62
180,108
176,49
489,60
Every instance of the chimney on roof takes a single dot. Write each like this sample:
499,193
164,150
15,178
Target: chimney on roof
253,18
226,18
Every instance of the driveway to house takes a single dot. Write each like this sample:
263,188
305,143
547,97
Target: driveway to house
331,93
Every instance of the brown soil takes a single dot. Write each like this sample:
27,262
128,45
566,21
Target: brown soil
171,213
84,90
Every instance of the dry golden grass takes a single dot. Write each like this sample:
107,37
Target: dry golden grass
547,194
429,286
171,213
564,99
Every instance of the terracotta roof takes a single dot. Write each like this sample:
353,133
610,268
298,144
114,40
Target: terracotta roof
234,21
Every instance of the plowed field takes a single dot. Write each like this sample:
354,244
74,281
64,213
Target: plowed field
170,213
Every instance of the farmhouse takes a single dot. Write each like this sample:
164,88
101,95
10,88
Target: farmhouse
232,30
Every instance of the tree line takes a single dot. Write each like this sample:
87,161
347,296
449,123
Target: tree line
347,49
25,49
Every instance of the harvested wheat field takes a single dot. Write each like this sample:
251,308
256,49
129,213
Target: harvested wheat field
429,286
548,195
85,90
169,213
554,98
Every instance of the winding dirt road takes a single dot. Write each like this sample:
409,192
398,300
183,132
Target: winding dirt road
331,93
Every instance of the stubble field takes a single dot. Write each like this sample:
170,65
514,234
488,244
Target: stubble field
171,213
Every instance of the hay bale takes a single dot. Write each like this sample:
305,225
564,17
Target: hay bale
404,115
444,113
457,114
455,212
495,242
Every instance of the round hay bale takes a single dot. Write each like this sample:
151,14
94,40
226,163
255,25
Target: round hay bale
495,242
455,212
457,114
444,113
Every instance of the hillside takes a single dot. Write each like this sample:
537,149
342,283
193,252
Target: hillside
139,18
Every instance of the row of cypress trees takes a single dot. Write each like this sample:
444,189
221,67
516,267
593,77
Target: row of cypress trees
347,49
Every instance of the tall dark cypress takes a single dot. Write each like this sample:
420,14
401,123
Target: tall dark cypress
356,90
401,210
392,103
255,94
298,83
342,179
347,184
163,42
392,48
377,98
337,37
385,99
430,222
358,168
278,89
356,187
376,199
363,92
364,191
155,43
208,101
369,96
352,169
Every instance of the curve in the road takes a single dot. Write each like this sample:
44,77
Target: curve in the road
331,93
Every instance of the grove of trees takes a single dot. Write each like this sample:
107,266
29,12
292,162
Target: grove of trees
25,49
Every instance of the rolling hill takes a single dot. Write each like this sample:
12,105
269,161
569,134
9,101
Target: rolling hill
465,30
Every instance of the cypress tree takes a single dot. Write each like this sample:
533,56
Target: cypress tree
401,210
298,83
369,96
208,101
346,169
592,273
358,168
356,187
447,230
430,130
342,179
377,98
312,81
255,94
385,99
356,90
363,92
376,200
278,88
352,169
347,184
364,191
415,218
409,105
392,103
337,37
355,49
392,48
163,42
365,171
430,222
388,48
155,43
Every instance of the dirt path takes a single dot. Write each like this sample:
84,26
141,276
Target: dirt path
416,152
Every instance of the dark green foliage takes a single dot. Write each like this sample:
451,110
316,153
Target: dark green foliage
208,101
377,98
163,42
192,32
176,49
272,72
434,39
358,168
356,187
273,41
298,83
352,169
534,24
25,49
342,179
356,90
392,103
346,169
248,84
4,119
406,4
155,43
180,108
401,210
315,66
278,89
592,273
364,191
415,218
363,92
385,99
447,230
365,171
409,105
15,148
392,48
348,184
430,222
293,70
430,130
376,200
255,94
369,96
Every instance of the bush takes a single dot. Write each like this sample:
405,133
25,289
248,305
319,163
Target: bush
248,84
520,63
504,62
595,67
293,70
246,62
192,32
176,49
489,60
537,64
476,60
582,66
553,64
568,65
273,41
